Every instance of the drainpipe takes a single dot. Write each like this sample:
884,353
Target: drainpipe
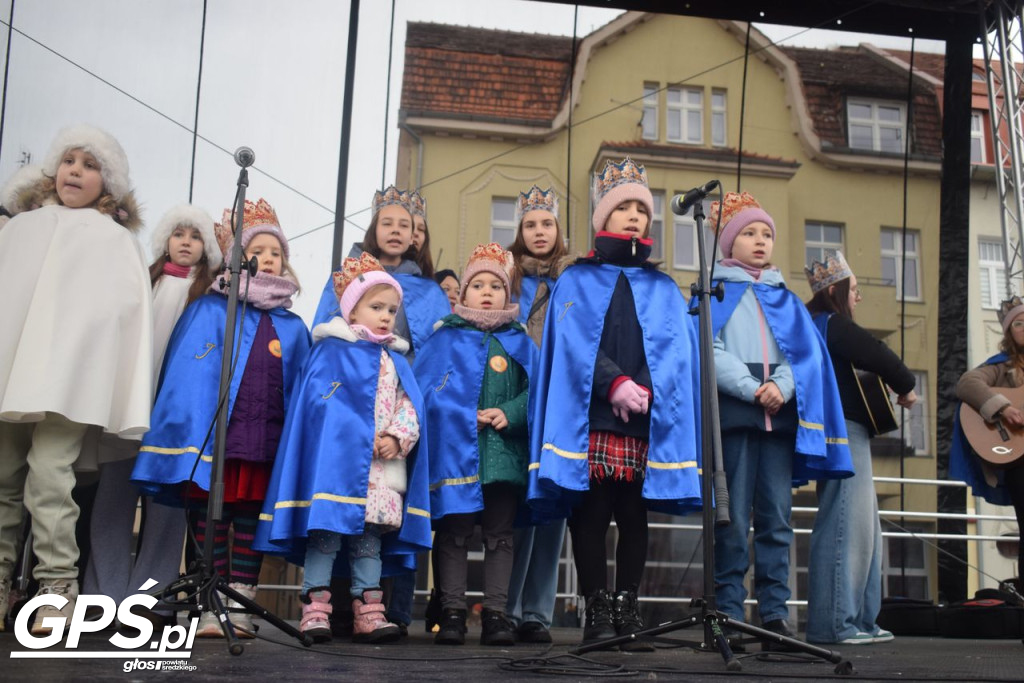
419,153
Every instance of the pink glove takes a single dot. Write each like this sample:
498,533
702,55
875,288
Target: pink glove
628,397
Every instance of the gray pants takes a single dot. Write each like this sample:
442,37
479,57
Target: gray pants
36,467
111,570
451,540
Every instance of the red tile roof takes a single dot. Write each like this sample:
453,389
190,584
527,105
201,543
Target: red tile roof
829,77
458,71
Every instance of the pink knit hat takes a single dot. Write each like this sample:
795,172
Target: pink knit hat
738,211
617,183
487,258
258,218
356,277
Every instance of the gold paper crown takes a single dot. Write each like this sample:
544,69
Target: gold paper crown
392,195
418,204
1006,306
491,252
732,203
260,213
351,268
615,174
536,199
821,275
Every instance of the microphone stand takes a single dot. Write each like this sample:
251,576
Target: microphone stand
202,578
713,487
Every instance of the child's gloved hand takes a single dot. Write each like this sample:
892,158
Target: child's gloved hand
628,397
386,447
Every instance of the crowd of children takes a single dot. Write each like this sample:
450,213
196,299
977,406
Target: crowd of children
537,392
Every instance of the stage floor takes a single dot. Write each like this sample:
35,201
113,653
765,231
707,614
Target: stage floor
416,658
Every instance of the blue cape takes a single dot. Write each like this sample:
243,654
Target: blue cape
822,448
186,402
322,470
423,301
527,293
450,371
965,465
563,383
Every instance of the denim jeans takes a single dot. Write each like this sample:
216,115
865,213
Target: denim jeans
531,592
363,557
759,471
845,567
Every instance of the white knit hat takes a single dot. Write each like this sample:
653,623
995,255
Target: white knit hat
100,144
192,216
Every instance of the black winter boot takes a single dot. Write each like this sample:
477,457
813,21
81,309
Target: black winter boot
626,617
497,629
599,624
453,627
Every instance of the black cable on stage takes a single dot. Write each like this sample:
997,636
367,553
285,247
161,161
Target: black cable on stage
387,98
743,110
199,90
7,70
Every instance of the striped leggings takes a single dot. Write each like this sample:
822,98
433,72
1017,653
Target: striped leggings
242,564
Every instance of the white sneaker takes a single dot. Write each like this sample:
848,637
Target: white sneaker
66,587
882,636
209,626
242,621
859,638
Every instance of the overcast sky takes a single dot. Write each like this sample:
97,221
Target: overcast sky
272,79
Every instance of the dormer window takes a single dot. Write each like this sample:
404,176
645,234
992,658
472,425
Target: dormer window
877,126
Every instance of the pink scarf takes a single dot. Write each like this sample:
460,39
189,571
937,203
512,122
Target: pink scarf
753,271
265,291
176,270
487,320
363,332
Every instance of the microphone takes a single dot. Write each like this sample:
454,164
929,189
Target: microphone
244,156
681,203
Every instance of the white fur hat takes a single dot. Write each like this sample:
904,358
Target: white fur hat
100,144
186,214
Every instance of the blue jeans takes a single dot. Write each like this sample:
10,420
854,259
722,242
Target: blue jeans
363,558
759,471
403,590
531,592
845,567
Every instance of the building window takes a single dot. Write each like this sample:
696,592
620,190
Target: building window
718,119
685,115
992,269
877,126
649,122
894,251
905,566
684,229
658,225
977,138
915,420
821,240
503,221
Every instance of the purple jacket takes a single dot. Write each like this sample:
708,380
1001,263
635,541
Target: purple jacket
257,418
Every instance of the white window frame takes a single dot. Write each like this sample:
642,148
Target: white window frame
650,108
502,225
896,254
875,123
991,271
681,223
657,232
719,112
824,248
978,138
917,419
682,108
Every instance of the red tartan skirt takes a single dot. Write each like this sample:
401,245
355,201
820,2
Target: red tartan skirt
617,457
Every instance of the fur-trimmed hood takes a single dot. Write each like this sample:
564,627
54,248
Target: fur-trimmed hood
338,328
103,146
193,216
30,189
